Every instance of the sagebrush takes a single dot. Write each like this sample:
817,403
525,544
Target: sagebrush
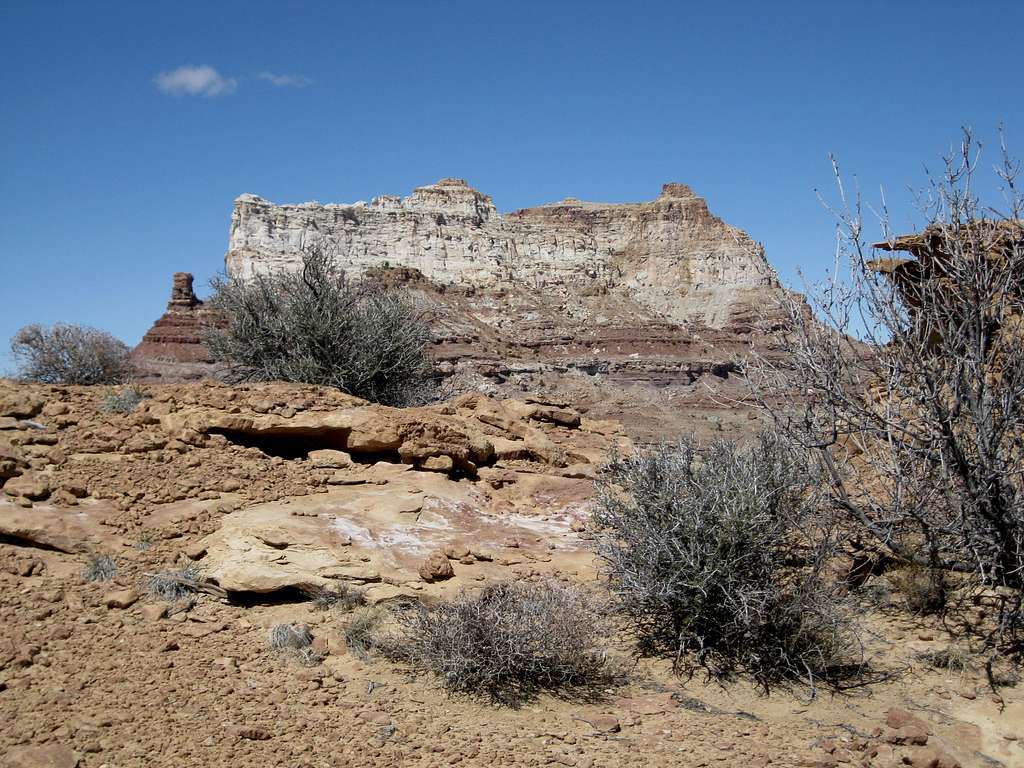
509,641
716,559
123,400
69,354
337,596
99,568
176,585
317,326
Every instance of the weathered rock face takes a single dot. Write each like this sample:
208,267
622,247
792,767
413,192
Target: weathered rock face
670,257
173,348
296,486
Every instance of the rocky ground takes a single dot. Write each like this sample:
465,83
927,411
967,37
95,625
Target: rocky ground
271,491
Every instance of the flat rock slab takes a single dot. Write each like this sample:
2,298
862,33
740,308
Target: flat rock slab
378,536
74,530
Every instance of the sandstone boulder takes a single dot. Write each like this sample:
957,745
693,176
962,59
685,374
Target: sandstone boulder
436,568
30,485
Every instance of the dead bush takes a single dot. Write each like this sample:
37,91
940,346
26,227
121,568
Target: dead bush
905,376
508,641
716,558
69,354
316,326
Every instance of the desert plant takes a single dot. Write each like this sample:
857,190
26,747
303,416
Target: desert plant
317,326
294,640
953,658
99,568
715,557
123,400
924,589
337,596
910,376
363,631
508,641
69,354
290,636
175,585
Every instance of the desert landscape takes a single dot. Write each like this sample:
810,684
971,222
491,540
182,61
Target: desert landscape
530,455
251,499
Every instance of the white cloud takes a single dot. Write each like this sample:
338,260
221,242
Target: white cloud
285,81
195,81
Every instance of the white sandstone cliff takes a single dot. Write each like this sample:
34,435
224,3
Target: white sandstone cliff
670,255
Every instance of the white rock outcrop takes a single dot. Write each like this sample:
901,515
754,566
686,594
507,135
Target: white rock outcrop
671,256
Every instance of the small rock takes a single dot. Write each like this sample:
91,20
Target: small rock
327,458
195,551
436,568
897,717
605,723
456,551
121,598
154,611
437,464
31,485
321,645
908,734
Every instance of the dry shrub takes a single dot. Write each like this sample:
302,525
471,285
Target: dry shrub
177,585
316,326
716,558
364,631
509,641
99,568
123,401
338,596
924,589
69,354
294,640
905,376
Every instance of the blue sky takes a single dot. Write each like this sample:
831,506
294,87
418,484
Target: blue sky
118,167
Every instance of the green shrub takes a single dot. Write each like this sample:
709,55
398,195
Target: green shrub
715,558
316,326
124,400
99,568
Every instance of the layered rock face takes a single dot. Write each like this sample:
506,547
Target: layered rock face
635,310
173,348
669,256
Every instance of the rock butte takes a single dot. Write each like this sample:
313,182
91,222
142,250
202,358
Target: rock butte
670,256
636,310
